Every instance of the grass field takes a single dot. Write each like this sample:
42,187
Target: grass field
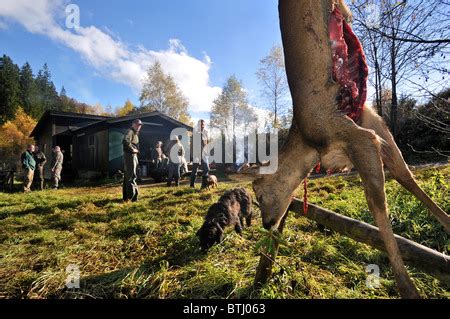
149,249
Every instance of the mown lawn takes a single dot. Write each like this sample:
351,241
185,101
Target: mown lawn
149,249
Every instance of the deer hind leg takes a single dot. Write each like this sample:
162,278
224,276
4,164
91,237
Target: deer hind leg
393,160
274,192
363,148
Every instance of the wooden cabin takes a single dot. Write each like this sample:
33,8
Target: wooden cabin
92,145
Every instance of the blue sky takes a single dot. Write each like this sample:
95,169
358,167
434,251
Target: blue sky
201,42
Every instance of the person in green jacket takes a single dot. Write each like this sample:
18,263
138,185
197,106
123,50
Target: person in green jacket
130,161
28,165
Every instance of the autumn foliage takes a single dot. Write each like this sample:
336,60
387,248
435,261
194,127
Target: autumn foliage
15,136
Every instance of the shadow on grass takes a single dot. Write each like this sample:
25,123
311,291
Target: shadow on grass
106,201
148,276
45,210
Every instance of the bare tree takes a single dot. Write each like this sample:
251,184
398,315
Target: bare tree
161,93
231,112
273,81
408,43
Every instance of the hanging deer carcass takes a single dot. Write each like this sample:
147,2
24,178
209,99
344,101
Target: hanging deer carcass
327,75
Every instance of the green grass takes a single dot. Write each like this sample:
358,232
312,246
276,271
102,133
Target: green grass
149,249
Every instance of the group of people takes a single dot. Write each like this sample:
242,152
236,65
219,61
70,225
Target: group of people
34,161
176,163
33,164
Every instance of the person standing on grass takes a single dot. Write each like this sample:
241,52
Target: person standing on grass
204,158
28,165
176,155
130,161
57,166
157,155
40,159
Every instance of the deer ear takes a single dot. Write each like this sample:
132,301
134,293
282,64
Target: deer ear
249,170
252,170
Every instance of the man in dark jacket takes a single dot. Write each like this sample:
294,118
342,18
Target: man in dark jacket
40,159
203,160
130,161
28,165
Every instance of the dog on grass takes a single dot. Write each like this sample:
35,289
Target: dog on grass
210,182
230,210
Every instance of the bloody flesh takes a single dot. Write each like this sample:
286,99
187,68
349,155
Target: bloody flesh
350,71
349,66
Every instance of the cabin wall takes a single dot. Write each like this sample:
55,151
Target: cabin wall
148,137
45,142
97,149
91,152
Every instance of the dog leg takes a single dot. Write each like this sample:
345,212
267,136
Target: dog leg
393,159
238,227
364,151
249,216
246,211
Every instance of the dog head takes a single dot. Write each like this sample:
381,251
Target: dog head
211,232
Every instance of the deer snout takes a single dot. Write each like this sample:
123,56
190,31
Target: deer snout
269,225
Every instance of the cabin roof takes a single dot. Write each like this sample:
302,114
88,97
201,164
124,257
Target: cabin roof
48,114
101,120
115,120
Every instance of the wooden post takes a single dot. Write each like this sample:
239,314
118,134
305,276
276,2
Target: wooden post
417,255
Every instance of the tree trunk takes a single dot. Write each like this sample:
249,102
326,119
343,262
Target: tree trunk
394,101
276,111
377,82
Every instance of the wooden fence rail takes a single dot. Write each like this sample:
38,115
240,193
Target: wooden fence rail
419,256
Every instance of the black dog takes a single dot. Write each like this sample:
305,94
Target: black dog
230,210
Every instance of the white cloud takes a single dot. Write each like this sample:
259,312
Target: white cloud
3,25
110,56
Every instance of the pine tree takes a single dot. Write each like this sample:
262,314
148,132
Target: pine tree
9,88
64,103
28,91
47,95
